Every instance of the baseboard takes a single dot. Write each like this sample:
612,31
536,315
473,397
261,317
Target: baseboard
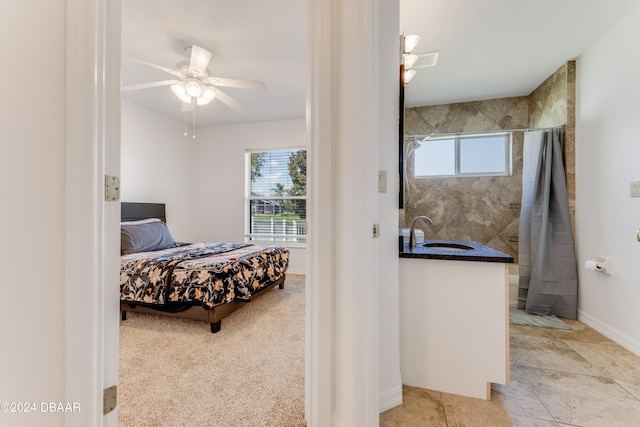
300,272
390,398
610,332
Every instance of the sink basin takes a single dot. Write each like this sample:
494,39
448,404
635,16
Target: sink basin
448,246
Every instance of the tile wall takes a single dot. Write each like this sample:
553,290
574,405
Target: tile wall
487,209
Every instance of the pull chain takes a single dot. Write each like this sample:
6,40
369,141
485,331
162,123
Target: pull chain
194,121
185,122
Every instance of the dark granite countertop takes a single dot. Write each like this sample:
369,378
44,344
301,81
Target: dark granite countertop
452,250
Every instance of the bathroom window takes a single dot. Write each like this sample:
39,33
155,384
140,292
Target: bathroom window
276,196
463,155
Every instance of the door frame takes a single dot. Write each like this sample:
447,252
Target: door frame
91,223
342,365
342,345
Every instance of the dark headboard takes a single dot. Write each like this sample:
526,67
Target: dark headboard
137,211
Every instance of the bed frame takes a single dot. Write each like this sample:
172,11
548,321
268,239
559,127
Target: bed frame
214,315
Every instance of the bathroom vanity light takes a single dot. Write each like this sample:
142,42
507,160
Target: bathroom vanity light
411,61
408,75
408,43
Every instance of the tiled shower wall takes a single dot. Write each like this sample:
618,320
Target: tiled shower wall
486,209
553,103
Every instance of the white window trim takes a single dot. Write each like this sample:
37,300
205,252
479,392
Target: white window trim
271,238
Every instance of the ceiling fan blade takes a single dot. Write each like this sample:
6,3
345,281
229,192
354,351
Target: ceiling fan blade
238,83
153,65
148,85
200,58
232,103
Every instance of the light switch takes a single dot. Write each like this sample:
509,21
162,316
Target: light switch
635,189
382,181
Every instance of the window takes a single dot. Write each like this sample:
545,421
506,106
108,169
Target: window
276,196
464,155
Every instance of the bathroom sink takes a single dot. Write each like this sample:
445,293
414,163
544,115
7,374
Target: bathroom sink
448,246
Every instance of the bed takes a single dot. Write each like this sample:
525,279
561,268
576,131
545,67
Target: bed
202,281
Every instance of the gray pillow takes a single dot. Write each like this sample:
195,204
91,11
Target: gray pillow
142,237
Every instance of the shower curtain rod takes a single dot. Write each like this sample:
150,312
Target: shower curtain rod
479,132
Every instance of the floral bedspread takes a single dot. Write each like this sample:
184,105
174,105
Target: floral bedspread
205,273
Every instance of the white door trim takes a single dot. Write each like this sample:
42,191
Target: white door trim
341,321
93,142
319,321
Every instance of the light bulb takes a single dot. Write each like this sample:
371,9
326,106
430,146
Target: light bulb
409,61
193,88
408,75
410,42
180,92
208,94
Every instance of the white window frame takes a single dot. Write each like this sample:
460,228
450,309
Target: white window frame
508,167
279,239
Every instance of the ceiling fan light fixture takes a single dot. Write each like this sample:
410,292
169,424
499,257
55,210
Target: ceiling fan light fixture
208,94
180,91
193,88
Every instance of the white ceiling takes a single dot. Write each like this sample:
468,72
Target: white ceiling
488,49
500,48
249,39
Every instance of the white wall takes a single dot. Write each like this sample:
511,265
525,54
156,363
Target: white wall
32,182
201,180
607,153
218,177
390,381
157,166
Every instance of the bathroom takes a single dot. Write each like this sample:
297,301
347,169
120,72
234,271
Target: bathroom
486,209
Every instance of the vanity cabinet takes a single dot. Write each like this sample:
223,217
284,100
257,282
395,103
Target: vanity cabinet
454,324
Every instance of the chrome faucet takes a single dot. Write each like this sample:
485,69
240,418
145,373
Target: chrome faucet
412,232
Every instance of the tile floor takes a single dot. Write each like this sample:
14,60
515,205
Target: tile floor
559,378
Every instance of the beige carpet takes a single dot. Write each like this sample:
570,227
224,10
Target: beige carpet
175,372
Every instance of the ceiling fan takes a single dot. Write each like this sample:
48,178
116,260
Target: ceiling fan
193,85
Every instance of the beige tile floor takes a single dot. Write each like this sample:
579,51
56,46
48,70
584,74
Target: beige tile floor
559,378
